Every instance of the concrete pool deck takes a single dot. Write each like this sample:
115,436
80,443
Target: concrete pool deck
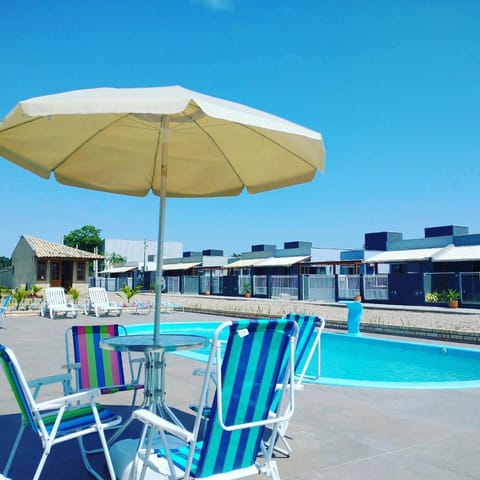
339,433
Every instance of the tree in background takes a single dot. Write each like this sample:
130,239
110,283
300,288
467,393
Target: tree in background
5,262
114,260
86,238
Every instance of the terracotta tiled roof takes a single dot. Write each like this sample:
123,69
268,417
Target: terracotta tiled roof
46,249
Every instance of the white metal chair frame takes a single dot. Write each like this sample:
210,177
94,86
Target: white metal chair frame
36,414
154,423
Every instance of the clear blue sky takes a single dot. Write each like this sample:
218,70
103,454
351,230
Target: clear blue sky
394,88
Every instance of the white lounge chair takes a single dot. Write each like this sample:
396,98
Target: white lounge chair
100,303
56,302
142,308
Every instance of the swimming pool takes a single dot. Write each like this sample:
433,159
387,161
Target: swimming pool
362,361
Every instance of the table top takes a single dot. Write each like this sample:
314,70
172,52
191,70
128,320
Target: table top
168,342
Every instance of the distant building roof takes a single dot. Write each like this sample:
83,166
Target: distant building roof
247,262
141,250
180,266
282,261
396,256
46,249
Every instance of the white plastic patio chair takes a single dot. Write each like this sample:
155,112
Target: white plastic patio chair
56,302
58,420
100,303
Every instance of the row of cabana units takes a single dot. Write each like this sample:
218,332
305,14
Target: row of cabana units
388,270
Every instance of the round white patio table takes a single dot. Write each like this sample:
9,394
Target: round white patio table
154,387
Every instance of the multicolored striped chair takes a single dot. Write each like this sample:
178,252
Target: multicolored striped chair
97,368
247,378
58,420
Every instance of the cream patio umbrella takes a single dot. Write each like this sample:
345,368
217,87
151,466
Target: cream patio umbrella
169,140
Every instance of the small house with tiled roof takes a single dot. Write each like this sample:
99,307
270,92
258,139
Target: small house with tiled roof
43,263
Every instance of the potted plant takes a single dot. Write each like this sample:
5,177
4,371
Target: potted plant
246,289
357,297
130,292
75,294
432,297
452,296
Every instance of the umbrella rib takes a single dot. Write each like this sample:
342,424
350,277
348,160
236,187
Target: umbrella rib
248,127
254,131
81,145
18,124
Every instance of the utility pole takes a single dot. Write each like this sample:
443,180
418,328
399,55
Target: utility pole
144,260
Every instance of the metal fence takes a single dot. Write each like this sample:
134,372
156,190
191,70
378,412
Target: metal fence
348,286
375,287
217,285
318,287
111,284
191,285
173,284
284,286
260,285
470,287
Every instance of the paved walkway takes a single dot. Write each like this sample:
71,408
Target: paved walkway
338,433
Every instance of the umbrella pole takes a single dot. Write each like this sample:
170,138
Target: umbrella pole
161,227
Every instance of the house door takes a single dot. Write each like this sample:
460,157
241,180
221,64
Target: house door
61,273
67,275
55,273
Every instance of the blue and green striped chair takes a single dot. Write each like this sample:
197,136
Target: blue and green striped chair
247,379
58,420
307,350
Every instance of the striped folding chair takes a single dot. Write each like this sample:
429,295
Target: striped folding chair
307,350
58,420
247,378
310,329
97,368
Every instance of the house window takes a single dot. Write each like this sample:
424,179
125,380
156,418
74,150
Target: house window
81,271
41,270
55,271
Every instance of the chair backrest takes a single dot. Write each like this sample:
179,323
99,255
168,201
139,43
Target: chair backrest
98,296
55,296
250,371
19,387
308,343
98,368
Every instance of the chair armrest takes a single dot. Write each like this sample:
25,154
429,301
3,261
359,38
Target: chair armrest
37,383
69,399
71,366
149,418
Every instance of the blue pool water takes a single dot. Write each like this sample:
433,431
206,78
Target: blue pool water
368,362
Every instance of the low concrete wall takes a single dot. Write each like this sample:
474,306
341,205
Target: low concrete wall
458,325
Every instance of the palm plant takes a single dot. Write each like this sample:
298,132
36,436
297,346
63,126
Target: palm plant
19,295
130,292
74,293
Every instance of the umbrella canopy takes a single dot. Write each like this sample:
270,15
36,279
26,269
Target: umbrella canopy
168,140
